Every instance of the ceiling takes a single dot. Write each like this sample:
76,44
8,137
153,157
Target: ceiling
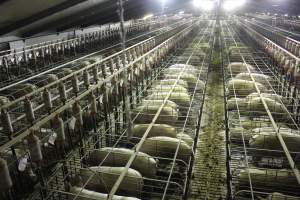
25,18
12,11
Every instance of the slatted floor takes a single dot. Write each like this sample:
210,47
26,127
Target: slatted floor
209,171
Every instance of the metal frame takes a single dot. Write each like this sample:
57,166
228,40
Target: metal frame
40,57
98,91
241,153
76,83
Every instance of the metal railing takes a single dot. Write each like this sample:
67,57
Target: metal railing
33,107
244,156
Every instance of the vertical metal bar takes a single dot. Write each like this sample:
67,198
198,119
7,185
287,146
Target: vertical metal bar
124,74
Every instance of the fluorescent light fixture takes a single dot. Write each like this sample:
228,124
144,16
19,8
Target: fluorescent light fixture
147,16
206,5
197,3
230,5
163,2
286,15
240,3
181,12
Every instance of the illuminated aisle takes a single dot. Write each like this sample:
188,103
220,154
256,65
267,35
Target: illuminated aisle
209,172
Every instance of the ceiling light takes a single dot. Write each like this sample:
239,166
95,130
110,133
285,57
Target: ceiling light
231,5
240,3
206,5
163,2
147,16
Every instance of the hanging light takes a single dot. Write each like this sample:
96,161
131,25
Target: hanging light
163,4
148,16
230,5
240,3
206,5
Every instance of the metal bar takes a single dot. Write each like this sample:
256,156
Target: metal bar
124,74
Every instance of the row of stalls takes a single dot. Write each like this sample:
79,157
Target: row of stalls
263,134
78,142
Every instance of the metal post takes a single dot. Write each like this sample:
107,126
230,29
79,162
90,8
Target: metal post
219,5
124,74
163,4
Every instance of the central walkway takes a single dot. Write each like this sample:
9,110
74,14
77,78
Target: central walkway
209,172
